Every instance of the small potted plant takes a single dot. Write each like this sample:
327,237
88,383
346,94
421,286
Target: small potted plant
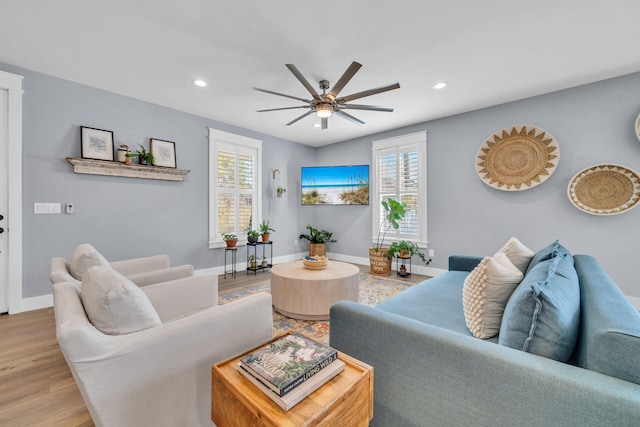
252,235
405,250
265,264
265,229
318,240
144,157
252,262
230,239
280,191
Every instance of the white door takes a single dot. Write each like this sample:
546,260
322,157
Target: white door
4,191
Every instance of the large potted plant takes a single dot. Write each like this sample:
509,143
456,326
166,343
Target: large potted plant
318,240
379,257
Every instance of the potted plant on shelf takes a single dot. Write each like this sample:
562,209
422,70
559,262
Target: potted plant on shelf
280,191
230,239
252,235
379,257
144,157
252,262
265,264
405,250
318,240
265,229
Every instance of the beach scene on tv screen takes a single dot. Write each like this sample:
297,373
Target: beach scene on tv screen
335,185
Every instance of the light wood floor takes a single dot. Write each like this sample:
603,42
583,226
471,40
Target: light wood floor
36,386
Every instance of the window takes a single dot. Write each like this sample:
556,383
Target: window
399,172
234,185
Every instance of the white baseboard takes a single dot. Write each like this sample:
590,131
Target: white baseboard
36,303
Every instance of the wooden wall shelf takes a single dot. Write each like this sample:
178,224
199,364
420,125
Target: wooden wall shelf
103,167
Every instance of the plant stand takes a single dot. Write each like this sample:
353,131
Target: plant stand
401,269
232,270
254,247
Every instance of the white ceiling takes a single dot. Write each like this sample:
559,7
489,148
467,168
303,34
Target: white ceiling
489,51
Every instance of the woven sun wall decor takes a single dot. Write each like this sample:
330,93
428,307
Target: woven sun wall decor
605,189
517,158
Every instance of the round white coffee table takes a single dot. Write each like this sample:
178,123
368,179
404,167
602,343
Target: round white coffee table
307,294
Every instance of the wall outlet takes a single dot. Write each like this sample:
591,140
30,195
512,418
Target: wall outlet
70,208
432,253
46,208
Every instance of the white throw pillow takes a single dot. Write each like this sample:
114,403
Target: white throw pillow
518,254
84,257
486,292
115,305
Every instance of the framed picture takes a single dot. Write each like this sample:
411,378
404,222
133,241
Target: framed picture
164,153
96,144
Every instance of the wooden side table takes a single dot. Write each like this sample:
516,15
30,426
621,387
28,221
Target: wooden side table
345,400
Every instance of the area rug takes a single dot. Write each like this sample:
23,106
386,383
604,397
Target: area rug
373,290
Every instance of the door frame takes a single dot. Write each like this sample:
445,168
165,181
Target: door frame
13,84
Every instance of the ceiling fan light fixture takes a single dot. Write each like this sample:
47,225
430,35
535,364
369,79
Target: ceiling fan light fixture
323,111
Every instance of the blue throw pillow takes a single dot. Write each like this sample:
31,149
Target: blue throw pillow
549,252
543,314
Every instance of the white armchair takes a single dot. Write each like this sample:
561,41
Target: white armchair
141,271
160,376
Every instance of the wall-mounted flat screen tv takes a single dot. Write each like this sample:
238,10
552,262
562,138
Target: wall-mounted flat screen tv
335,185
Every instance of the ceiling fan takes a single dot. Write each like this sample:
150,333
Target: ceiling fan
326,104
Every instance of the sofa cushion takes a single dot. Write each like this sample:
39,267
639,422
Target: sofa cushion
546,253
518,254
84,257
543,314
485,293
114,304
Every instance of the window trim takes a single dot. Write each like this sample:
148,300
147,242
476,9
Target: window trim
418,139
217,139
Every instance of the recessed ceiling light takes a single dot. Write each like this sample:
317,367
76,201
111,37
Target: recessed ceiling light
440,85
200,83
316,125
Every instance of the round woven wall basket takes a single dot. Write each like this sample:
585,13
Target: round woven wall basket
637,127
517,158
605,189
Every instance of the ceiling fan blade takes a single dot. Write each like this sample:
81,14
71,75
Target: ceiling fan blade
302,80
284,108
342,82
349,117
365,107
298,118
324,122
367,93
280,94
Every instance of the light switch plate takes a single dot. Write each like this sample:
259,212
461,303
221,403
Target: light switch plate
46,208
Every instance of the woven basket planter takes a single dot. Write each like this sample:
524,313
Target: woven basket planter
380,261
317,249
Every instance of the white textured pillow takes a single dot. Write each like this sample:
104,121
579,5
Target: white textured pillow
115,305
486,292
84,257
518,254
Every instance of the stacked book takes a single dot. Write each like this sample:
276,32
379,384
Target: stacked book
290,368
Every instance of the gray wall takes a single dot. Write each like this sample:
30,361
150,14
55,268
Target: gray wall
128,217
593,124
125,217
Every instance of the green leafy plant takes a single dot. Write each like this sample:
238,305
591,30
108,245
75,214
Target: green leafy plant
229,236
265,228
394,212
410,248
144,156
280,191
317,236
252,235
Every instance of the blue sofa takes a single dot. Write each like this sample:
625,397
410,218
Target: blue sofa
430,371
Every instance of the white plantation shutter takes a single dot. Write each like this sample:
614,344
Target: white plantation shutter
234,190
400,169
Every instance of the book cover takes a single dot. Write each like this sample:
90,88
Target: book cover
289,400
288,362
